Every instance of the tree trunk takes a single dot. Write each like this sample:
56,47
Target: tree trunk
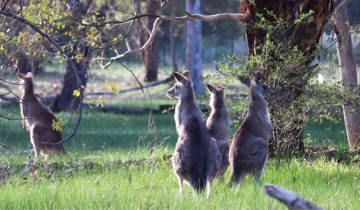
138,29
348,76
66,101
173,42
193,47
288,133
150,55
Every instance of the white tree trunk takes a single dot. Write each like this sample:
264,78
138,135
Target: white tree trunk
348,76
193,47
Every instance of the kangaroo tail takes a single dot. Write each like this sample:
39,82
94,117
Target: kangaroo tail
198,183
231,179
235,178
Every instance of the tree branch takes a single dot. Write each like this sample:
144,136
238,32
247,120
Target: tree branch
8,14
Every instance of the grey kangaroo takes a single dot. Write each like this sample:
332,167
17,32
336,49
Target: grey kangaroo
249,149
196,159
38,118
218,124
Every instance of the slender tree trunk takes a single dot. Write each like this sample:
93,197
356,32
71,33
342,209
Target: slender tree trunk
173,42
150,55
139,29
232,43
348,76
193,47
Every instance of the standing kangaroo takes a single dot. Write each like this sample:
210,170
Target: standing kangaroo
218,124
249,149
196,159
38,118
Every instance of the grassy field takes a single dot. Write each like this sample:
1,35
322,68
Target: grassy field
122,161
111,166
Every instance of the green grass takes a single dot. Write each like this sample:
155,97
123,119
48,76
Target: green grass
106,152
154,186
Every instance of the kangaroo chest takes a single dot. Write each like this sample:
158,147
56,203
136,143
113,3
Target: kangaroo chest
264,115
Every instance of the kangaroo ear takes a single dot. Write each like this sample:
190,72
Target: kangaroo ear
186,74
180,78
29,75
21,76
220,88
211,88
255,80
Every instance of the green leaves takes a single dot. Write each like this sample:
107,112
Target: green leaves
99,101
76,93
113,87
56,125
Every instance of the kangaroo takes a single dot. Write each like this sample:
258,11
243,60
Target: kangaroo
218,124
249,149
196,159
38,118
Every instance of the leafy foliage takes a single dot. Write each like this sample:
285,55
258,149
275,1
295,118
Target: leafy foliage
57,125
289,71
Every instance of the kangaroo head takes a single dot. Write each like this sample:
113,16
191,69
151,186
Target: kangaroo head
182,87
259,88
216,93
26,81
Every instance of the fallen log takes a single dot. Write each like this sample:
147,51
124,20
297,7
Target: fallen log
291,199
50,98
161,109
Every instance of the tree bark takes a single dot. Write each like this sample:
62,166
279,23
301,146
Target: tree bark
150,55
66,101
193,47
173,42
348,76
288,133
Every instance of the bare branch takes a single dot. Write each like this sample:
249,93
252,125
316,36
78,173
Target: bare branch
4,5
187,17
175,6
139,50
137,80
6,118
8,14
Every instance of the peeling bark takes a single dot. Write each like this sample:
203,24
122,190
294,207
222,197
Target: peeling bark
348,76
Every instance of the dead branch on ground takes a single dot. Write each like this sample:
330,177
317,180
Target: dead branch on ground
291,199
